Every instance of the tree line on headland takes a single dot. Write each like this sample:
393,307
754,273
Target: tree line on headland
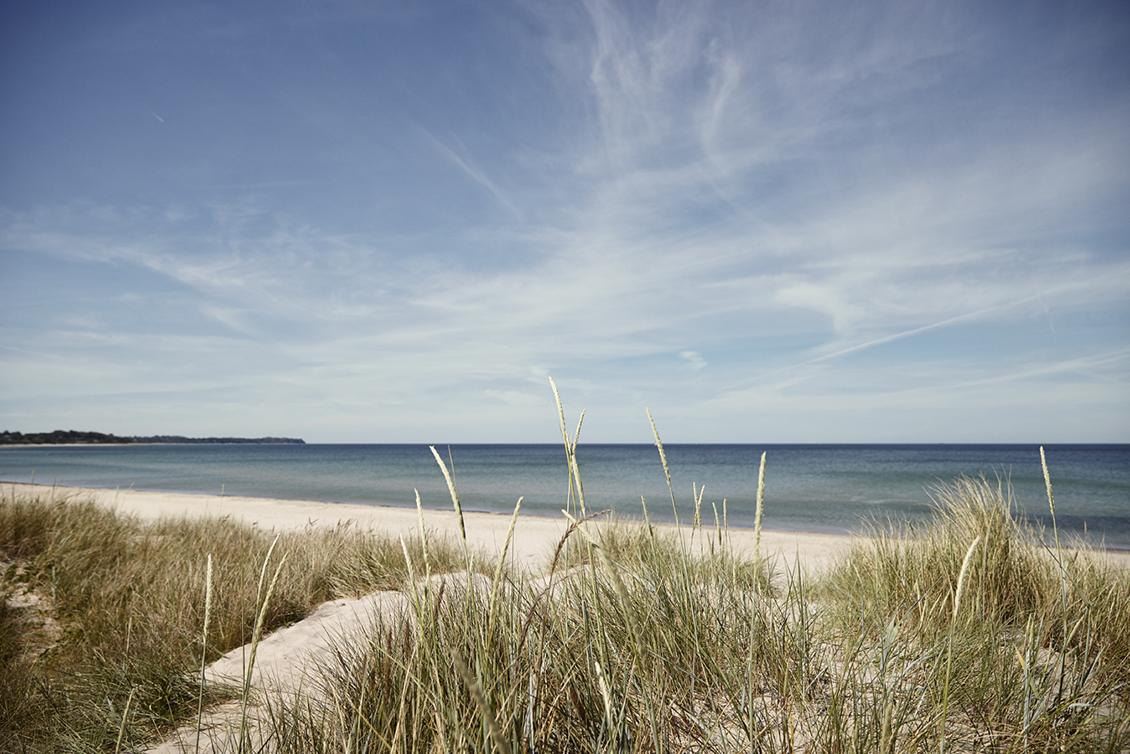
74,437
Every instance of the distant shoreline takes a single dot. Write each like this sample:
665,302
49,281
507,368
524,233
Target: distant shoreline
72,444
68,437
135,444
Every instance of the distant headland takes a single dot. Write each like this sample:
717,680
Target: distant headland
74,437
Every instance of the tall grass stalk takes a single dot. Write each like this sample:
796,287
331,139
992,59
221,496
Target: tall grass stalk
497,581
453,490
1051,498
203,649
949,644
476,693
663,460
249,670
122,727
760,507
1059,562
423,537
576,490
697,494
410,569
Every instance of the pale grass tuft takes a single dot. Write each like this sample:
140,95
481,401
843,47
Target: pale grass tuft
663,460
454,492
760,507
423,536
962,574
576,488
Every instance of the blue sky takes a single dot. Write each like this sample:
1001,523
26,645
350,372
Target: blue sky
392,221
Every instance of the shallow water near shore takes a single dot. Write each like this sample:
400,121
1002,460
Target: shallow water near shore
819,488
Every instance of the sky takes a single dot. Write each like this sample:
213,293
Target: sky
767,221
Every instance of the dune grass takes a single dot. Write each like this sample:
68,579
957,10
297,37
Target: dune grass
965,634
1028,641
129,596
947,639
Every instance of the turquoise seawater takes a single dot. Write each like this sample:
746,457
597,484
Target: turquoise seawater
830,488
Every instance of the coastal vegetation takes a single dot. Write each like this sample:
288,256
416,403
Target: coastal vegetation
102,609
75,437
974,632
61,437
180,440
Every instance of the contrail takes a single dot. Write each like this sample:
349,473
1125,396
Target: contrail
475,174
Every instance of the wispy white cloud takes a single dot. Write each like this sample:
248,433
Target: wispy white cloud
694,358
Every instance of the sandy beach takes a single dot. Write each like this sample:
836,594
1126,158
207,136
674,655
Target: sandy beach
534,536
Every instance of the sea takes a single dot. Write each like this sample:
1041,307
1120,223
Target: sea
817,488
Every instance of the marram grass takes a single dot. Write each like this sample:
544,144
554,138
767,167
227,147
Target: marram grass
131,598
641,645
966,634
